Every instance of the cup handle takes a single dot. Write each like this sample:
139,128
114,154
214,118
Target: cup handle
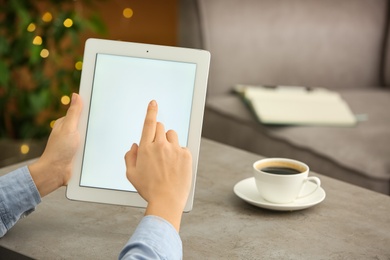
313,179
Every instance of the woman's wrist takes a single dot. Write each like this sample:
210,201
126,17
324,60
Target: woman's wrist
45,178
171,212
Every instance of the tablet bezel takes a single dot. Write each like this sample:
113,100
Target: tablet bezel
95,46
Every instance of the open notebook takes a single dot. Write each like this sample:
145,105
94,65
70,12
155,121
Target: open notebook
288,105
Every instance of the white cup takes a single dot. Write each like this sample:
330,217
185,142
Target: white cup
282,187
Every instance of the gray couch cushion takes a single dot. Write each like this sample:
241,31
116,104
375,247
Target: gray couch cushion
364,149
332,43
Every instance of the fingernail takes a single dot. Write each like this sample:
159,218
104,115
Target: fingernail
153,103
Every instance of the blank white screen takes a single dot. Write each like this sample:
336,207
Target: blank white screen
122,88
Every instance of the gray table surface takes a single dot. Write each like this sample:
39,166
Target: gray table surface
351,223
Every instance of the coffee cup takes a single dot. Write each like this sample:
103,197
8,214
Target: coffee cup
281,180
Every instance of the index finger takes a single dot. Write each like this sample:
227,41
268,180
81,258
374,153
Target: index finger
150,124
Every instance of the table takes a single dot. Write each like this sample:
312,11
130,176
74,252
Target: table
351,223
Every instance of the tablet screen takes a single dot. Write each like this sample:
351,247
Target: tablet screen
122,88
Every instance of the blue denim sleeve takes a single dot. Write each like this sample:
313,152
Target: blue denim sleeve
18,197
154,238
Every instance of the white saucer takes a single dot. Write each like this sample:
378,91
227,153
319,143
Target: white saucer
247,190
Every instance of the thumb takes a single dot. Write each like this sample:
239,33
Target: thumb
131,160
72,117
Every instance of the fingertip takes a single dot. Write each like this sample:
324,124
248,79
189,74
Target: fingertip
134,147
150,123
73,114
133,150
131,156
160,125
153,103
75,101
75,97
75,104
160,128
172,137
153,107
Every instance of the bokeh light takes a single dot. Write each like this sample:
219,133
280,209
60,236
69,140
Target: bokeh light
31,27
78,65
127,12
37,40
44,53
24,149
68,23
65,100
47,17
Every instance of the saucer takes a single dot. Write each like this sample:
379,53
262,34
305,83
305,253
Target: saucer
247,190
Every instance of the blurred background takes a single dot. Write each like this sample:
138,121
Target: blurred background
41,49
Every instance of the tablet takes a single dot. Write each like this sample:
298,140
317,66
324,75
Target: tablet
118,81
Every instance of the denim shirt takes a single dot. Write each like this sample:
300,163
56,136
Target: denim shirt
18,197
154,238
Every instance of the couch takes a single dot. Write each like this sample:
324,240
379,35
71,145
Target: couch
342,45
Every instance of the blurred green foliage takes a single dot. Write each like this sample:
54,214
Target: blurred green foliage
31,85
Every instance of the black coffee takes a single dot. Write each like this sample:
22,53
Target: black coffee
280,170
